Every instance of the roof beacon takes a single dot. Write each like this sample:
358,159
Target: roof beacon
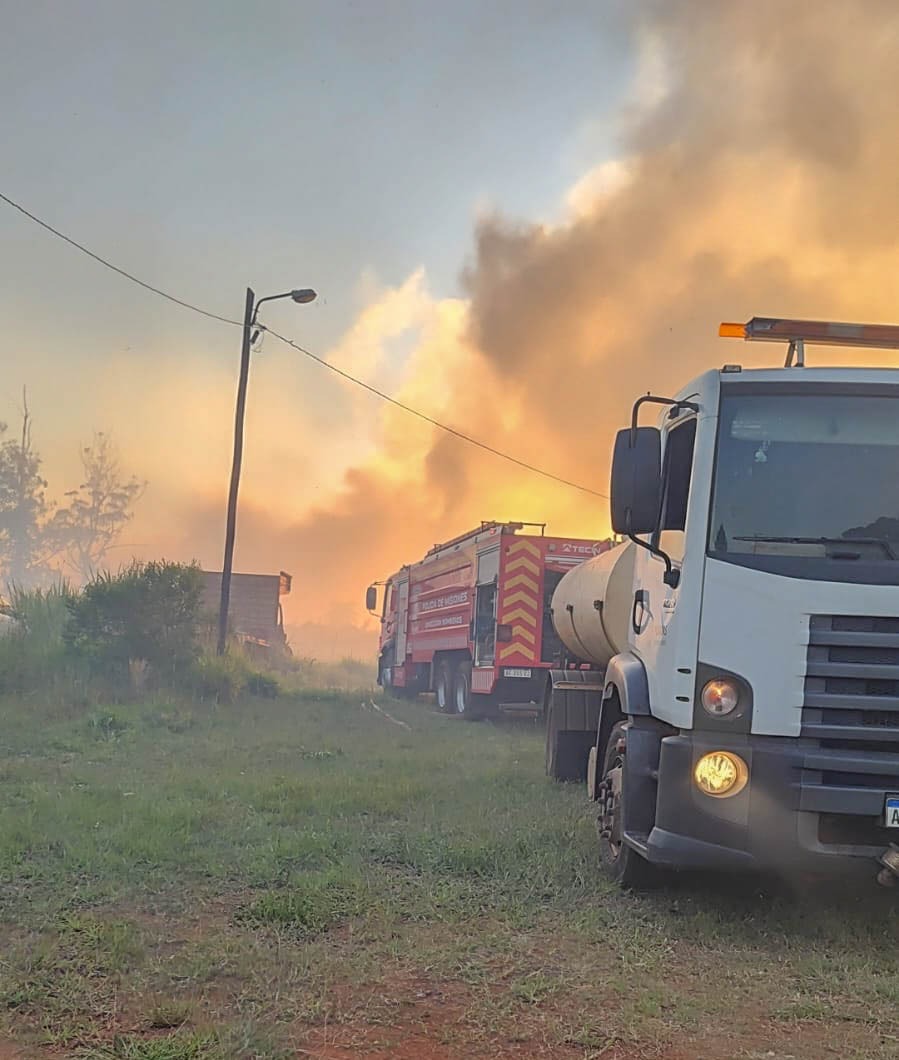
818,332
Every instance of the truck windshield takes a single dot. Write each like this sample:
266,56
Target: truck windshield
806,479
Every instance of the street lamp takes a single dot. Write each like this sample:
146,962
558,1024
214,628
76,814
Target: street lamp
301,296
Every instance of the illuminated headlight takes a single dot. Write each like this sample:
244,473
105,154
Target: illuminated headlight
721,774
720,697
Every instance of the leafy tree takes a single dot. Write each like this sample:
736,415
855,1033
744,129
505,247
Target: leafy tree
97,511
23,508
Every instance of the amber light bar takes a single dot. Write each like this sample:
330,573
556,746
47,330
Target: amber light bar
817,332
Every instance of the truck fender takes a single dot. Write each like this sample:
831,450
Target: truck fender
625,695
644,747
577,694
571,707
626,676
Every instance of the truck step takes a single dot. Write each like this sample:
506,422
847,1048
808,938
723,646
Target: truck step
577,686
638,841
520,710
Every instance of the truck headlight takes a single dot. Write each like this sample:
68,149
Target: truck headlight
720,697
721,774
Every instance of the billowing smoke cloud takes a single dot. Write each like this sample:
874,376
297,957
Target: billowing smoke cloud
758,176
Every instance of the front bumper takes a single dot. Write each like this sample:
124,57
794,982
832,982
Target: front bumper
805,808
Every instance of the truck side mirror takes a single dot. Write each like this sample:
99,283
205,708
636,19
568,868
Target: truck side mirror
636,480
371,598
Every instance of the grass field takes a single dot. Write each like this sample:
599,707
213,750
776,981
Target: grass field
301,877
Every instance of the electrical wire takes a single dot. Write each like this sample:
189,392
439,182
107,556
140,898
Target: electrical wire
115,268
307,353
435,423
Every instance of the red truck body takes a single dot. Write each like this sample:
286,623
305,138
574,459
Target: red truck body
471,620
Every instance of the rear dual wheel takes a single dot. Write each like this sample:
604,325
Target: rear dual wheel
467,705
453,688
462,690
443,685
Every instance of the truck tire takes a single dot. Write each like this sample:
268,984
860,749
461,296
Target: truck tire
465,705
443,686
385,680
566,752
620,862
386,664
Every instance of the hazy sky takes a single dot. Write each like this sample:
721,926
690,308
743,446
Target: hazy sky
210,145
204,146
518,216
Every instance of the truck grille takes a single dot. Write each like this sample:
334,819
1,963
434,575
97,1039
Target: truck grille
851,699
850,729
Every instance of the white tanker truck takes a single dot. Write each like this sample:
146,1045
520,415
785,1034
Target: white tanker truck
732,690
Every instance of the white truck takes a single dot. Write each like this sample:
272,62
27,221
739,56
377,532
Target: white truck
732,690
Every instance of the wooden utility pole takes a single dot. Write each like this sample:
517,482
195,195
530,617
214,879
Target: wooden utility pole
231,519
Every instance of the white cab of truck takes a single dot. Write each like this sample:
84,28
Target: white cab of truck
751,720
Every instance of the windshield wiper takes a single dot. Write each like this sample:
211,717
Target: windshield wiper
879,542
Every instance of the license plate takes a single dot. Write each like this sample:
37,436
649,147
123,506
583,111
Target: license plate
523,673
891,813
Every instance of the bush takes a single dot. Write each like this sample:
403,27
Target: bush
32,651
263,685
224,677
122,635
147,611
218,677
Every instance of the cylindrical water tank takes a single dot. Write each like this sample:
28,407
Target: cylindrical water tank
592,604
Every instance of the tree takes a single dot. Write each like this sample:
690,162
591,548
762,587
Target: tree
97,511
23,507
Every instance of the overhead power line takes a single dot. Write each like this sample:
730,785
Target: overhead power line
306,353
115,268
429,419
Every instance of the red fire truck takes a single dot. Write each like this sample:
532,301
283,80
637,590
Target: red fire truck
471,620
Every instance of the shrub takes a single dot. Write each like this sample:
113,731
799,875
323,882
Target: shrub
122,636
41,613
32,651
263,685
146,611
218,677
224,677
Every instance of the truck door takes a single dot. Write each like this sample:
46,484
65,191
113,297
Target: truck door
550,645
665,620
485,625
485,608
402,623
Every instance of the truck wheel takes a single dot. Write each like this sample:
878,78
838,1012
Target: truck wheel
443,686
566,752
386,662
385,680
464,704
620,862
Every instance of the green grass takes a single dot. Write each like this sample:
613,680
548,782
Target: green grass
310,905
175,1047
203,880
